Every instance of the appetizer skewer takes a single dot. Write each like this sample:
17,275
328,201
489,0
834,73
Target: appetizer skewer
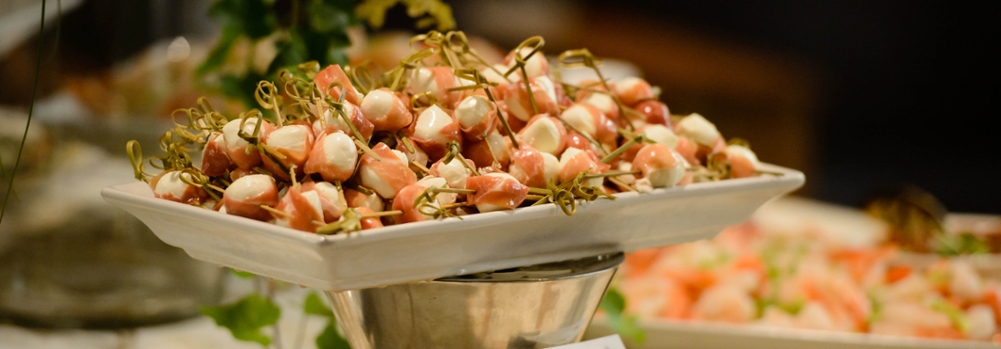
444,134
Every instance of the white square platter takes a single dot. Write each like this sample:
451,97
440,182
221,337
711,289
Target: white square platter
432,249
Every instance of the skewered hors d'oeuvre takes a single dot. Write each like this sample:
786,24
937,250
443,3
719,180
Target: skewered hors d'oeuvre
444,134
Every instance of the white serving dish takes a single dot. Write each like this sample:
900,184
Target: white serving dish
433,249
692,335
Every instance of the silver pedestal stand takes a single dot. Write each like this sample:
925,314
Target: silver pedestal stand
530,307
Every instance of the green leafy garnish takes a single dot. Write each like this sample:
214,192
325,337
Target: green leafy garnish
791,308
243,274
877,309
245,318
961,244
315,306
614,306
374,12
303,31
308,30
329,338
956,316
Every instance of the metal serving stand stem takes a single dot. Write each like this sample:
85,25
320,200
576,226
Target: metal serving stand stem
530,307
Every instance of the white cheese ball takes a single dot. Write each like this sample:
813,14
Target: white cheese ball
328,191
626,166
548,86
570,153
743,151
438,182
371,179
313,199
668,177
472,111
291,137
542,135
603,102
454,172
551,167
171,184
331,119
535,66
231,132
339,150
487,207
580,118
493,76
699,129
423,81
377,103
430,123
661,134
249,186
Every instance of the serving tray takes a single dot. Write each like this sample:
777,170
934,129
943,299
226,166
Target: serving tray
664,334
432,249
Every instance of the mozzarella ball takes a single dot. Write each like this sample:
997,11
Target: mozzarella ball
699,129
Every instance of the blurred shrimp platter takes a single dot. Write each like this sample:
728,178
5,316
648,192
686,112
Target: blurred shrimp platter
815,276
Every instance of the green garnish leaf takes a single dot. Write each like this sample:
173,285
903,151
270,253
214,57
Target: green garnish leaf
961,244
614,302
956,316
315,306
614,306
245,318
240,87
243,274
253,18
331,16
218,55
877,309
331,339
791,308
374,12
291,52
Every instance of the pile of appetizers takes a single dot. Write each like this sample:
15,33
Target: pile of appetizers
809,280
443,134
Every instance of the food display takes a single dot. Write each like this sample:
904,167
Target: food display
806,278
443,134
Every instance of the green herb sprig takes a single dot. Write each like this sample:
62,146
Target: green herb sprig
246,318
301,31
614,306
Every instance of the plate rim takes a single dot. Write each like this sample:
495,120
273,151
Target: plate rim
127,194
795,334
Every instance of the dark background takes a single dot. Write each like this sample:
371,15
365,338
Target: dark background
910,87
901,92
